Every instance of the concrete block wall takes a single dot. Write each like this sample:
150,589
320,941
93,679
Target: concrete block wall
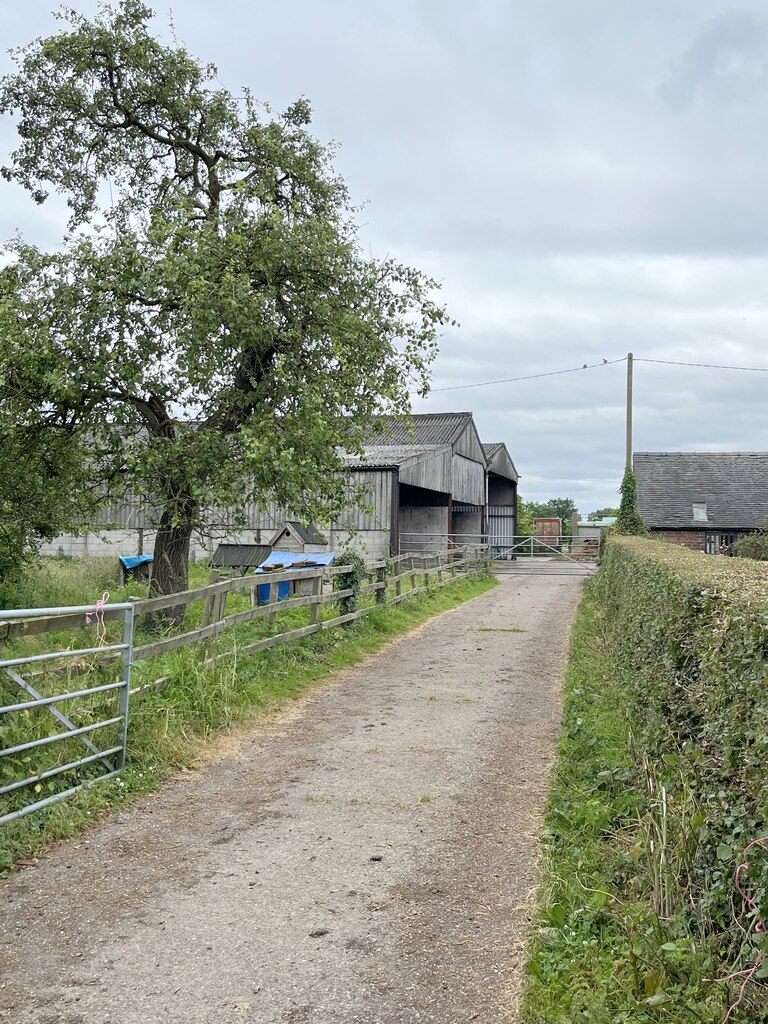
111,543
371,544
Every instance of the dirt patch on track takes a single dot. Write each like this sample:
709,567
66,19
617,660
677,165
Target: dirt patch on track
368,857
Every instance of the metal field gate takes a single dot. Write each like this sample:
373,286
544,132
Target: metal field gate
80,730
513,555
538,556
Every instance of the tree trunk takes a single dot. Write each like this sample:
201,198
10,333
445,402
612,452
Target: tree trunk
170,567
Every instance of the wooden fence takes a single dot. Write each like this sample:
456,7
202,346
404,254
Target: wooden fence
59,670
407,575
389,581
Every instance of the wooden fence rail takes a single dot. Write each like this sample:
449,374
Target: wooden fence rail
409,575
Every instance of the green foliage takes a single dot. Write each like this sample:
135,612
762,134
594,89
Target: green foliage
602,513
352,579
629,520
211,331
554,508
601,952
43,490
688,636
753,545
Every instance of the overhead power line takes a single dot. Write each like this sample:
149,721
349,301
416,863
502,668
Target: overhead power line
531,376
594,366
706,366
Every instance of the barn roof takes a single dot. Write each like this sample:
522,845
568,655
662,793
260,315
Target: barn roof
390,456
429,428
491,449
500,461
729,489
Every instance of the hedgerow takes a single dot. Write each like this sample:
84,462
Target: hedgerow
688,634
659,793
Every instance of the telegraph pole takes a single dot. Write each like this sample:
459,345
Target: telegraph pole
630,360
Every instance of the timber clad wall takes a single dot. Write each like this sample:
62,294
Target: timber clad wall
468,481
432,471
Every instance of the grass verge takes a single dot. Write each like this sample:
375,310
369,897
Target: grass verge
168,728
601,952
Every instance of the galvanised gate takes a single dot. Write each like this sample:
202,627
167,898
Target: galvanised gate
516,555
66,715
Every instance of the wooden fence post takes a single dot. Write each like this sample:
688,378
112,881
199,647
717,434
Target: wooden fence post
413,572
381,577
210,599
274,593
317,590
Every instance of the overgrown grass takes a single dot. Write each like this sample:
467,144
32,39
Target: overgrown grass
168,728
606,950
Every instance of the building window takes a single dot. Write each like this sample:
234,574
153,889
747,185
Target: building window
719,543
700,512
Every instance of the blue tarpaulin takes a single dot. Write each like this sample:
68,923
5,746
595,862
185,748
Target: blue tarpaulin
131,561
289,560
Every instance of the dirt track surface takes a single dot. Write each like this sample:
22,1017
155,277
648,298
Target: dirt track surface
366,857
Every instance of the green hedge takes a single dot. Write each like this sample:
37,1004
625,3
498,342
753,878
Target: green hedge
688,634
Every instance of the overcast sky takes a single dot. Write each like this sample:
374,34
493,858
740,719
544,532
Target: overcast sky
585,178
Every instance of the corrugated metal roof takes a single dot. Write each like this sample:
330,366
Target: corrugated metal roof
500,461
241,556
732,485
425,428
489,450
389,456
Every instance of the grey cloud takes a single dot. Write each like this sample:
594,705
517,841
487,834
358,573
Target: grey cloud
585,179
729,59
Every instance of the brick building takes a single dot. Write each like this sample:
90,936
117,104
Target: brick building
704,500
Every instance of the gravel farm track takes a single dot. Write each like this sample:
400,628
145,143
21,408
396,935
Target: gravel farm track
366,856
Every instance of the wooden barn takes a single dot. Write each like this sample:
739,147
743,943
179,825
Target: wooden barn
501,510
428,485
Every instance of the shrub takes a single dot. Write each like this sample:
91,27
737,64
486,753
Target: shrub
629,520
352,579
689,639
753,545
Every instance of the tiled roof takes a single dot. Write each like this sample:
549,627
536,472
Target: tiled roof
732,485
428,428
389,456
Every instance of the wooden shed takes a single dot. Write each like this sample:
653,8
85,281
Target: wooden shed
295,536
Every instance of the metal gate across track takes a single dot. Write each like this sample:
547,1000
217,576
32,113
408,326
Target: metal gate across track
517,556
539,556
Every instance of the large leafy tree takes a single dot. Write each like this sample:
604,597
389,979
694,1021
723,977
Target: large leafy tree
211,325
